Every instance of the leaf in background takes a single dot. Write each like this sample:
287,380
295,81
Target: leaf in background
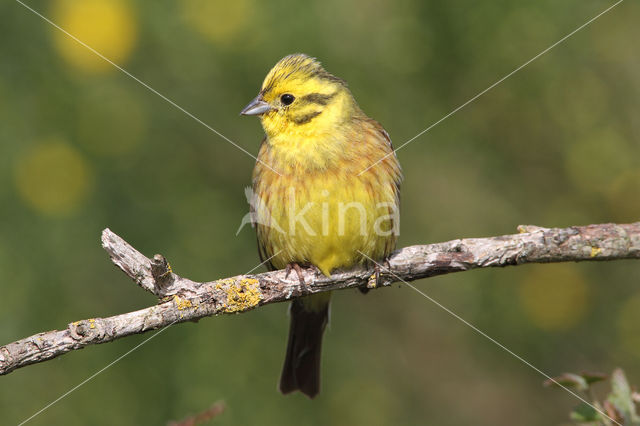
621,397
585,413
569,380
593,377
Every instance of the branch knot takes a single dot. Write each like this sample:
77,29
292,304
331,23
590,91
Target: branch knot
161,272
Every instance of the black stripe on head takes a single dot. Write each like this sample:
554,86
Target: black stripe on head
303,119
317,98
331,78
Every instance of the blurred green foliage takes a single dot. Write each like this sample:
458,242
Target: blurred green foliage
618,407
83,147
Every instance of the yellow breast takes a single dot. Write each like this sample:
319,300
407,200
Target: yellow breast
319,210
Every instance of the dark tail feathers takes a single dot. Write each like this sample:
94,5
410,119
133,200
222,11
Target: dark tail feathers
301,369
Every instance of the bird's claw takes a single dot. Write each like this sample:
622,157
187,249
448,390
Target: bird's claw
298,269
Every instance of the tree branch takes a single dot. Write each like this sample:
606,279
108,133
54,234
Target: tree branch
184,300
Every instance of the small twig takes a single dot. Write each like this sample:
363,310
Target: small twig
210,413
184,300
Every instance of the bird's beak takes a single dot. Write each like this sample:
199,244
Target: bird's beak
256,107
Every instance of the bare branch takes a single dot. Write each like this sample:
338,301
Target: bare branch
184,300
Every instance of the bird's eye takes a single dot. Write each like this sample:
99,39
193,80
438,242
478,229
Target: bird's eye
287,99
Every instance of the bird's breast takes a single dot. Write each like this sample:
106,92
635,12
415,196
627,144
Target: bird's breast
328,219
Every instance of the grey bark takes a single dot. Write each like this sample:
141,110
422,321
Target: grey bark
181,299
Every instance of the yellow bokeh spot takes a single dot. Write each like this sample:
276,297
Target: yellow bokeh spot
108,26
217,20
53,178
628,325
555,297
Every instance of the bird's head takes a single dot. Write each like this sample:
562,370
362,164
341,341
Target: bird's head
300,99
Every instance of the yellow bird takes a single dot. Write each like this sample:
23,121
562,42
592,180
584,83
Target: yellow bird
312,203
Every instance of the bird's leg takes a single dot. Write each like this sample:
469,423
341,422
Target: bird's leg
313,268
387,264
295,266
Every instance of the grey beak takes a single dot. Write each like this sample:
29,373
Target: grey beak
256,107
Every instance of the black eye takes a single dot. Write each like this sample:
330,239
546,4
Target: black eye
287,99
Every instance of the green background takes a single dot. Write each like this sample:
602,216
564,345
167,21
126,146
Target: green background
83,147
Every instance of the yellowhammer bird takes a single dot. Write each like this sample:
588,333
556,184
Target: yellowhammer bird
313,206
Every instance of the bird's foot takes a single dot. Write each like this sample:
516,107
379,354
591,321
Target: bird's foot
296,267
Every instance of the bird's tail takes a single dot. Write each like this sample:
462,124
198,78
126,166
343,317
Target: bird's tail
301,370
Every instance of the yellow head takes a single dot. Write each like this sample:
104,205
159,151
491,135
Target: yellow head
299,99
